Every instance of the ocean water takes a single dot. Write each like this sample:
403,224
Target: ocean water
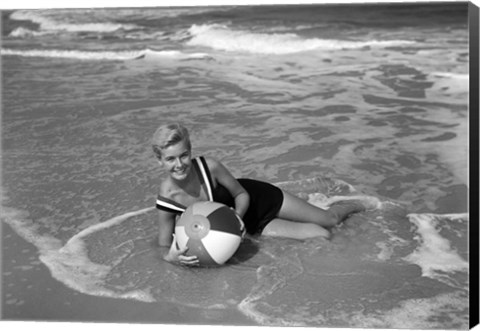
324,100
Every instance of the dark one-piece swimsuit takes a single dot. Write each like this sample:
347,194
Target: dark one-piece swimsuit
265,199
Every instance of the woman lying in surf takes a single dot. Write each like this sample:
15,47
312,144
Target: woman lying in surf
264,208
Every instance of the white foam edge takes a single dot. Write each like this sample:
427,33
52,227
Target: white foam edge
147,54
15,218
69,273
435,252
47,23
221,37
409,314
452,75
248,305
64,262
111,222
72,267
150,53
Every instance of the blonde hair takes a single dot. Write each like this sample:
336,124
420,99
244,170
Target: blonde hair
168,135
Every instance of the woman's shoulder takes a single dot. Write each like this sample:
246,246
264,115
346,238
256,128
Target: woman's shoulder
217,169
165,188
212,163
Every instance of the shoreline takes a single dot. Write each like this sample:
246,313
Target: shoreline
36,296
32,294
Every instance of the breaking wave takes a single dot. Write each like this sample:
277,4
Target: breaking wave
104,55
222,38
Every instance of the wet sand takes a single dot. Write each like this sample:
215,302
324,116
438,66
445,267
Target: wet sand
39,297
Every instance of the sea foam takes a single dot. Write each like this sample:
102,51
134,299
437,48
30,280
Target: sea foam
434,255
22,32
222,38
104,55
71,264
74,54
50,24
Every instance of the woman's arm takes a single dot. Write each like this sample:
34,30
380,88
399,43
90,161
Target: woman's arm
166,224
166,239
224,177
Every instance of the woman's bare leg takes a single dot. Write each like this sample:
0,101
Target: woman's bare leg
298,210
287,229
299,219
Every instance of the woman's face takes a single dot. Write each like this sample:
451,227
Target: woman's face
177,160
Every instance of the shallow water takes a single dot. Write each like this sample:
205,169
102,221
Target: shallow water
379,102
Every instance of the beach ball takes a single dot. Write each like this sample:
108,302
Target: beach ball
210,230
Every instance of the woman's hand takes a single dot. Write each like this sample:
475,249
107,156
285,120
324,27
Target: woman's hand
242,225
175,254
